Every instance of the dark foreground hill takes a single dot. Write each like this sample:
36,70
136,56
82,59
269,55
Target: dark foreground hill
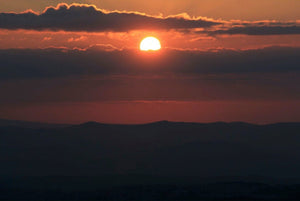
162,160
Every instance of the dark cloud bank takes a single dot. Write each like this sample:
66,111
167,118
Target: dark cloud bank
89,18
82,17
56,62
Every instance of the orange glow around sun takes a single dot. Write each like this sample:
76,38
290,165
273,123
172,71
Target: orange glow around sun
150,44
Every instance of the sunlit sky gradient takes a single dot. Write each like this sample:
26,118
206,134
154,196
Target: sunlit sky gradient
221,60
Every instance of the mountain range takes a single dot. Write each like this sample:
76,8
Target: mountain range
164,153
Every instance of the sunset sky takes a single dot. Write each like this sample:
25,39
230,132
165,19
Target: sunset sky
221,60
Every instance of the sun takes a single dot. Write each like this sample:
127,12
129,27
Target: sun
150,44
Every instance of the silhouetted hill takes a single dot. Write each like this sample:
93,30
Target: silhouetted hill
164,153
160,148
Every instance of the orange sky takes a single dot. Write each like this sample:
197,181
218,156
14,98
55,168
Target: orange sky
217,87
169,38
126,112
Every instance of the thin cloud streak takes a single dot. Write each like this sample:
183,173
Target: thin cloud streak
256,30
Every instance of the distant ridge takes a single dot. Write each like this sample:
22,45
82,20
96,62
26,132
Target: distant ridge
165,123
32,124
162,149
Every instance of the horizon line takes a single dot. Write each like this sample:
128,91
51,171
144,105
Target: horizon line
147,123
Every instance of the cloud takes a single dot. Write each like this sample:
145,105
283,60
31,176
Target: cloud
73,39
258,30
47,38
107,60
82,17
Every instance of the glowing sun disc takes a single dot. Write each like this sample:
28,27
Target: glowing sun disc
150,44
